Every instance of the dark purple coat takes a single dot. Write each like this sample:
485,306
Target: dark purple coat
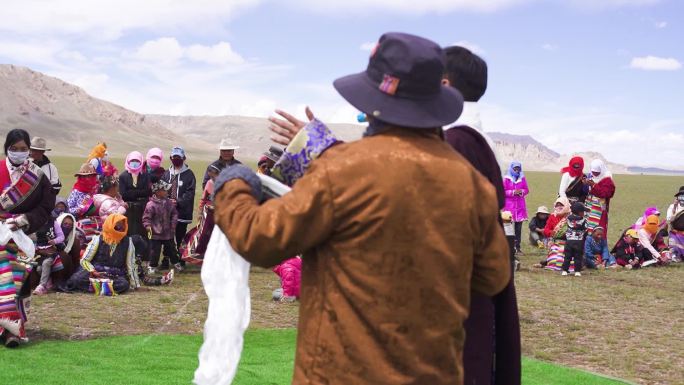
161,216
493,326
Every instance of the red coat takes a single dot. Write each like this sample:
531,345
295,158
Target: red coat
604,189
290,273
551,224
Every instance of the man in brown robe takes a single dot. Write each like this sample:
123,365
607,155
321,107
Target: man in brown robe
386,275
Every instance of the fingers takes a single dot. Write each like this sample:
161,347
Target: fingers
285,125
280,140
284,132
309,113
294,121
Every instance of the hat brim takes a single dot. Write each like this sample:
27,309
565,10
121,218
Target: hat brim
361,92
228,148
85,174
543,212
40,149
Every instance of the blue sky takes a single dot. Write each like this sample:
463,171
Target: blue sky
577,75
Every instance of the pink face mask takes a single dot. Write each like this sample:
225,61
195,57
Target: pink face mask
154,163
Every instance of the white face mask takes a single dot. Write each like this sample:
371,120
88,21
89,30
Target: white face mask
17,157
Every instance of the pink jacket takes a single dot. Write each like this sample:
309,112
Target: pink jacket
107,205
516,203
290,273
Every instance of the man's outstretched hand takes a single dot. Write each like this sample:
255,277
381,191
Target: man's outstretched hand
286,129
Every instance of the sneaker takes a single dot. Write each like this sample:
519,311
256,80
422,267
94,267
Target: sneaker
40,290
49,286
178,267
287,298
578,274
167,278
151,270
517,265
537,265
564,273
277,294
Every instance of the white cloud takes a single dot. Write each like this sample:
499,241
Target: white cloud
654,63
221,53
407,6
660,24
368,46
604,4
476,49
549,47
167,51
164,51
109,19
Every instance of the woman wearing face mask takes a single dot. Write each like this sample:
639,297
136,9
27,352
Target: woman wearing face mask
70,250
27,202
152,165
601,190
135,188
80,201
555,231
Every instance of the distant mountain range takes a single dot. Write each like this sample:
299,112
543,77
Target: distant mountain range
73,122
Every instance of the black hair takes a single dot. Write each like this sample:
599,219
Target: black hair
16,135
108,182
466,72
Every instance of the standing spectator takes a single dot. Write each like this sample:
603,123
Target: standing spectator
515,187
95,158
537,225
182,181
601,190
37,150
135,190
153,164
226,158
160,220
574,236
572,182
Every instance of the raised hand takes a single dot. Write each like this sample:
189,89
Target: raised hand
286,129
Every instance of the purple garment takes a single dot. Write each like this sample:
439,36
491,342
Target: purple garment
516,203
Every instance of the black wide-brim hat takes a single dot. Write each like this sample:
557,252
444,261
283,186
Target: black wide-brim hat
403,84
681,191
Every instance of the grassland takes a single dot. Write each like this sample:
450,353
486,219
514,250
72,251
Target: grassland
625,324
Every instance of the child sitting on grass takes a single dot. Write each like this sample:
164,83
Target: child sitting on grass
160,218
596,254
574,239
628,252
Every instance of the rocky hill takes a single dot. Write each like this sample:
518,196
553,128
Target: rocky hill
73,121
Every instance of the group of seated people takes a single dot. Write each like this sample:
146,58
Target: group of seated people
642,244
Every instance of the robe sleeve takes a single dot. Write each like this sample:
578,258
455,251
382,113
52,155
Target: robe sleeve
564,183
280,228
645,241
604,189
89,254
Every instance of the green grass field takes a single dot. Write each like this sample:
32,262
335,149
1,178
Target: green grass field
268,358
625,324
